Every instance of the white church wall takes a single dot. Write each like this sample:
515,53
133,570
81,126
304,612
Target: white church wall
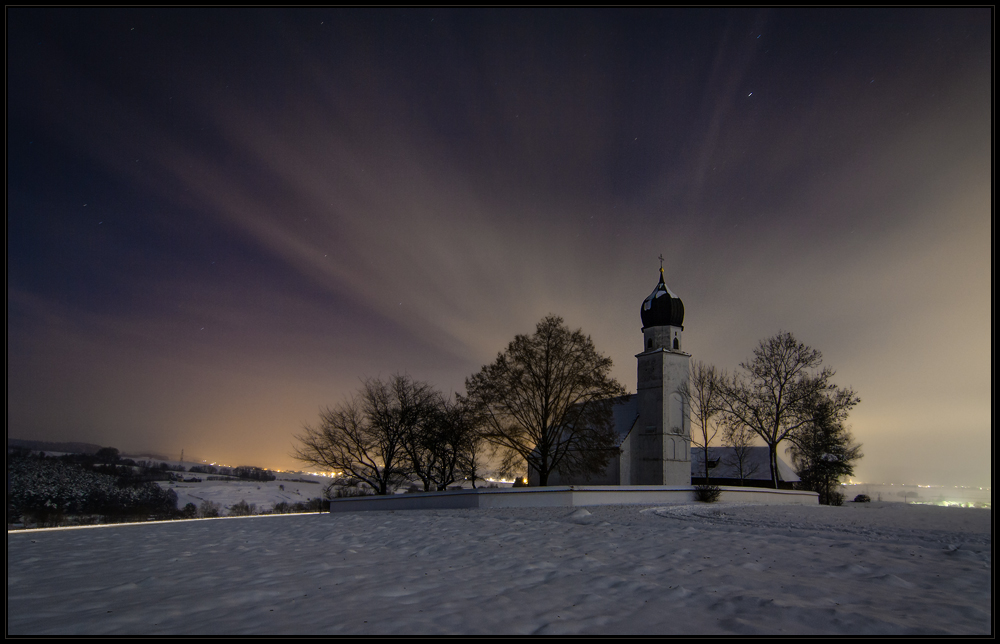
625,461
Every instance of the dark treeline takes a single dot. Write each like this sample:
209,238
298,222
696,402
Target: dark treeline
49,446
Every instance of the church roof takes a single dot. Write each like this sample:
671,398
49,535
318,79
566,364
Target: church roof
662,307
756,462
625,413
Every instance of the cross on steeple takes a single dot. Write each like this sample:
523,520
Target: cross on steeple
661,262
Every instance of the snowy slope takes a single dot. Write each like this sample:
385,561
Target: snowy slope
879,568
290,487
263,494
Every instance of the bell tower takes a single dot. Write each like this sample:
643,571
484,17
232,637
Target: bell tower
661,446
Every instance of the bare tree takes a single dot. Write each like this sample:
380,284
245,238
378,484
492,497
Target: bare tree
445,442
208,509
477,449
547,400
702,395
363,437
739,438
423,445
771,395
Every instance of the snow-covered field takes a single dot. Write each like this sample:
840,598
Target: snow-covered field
291,489
879,568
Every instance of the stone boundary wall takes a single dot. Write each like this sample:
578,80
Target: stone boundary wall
563,496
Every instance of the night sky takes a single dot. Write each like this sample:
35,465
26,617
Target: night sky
218,221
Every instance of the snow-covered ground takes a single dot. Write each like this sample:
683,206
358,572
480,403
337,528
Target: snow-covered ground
288,488
879,568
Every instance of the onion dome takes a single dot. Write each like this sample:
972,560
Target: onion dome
662,307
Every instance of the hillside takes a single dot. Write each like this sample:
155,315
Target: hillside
47,446
53,488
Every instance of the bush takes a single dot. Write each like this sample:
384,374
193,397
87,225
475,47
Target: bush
317,504
862,498
707,493
836,498
242,509
341,492
208,509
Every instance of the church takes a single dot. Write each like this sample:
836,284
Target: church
653,429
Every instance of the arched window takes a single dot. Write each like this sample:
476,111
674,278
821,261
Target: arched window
677,344
676,411
649,343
